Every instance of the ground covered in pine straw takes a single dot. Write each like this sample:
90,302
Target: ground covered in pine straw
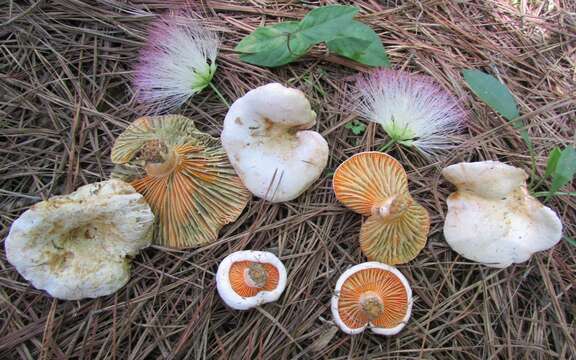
65,95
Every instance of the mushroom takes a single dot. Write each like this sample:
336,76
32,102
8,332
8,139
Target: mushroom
266,140
373,295
246,279
78,245
375,185
492,218
184,175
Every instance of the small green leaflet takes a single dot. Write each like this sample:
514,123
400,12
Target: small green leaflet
552,162
360,43
570,240
561,167
356,127
282,43
492,92
271,45
325,23
498,97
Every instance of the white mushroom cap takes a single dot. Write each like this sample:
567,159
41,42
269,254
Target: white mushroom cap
234,276
492,219
76,246
479,178
265,138
385,282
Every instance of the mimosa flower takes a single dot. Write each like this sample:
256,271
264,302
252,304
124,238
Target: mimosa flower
412,109
178,61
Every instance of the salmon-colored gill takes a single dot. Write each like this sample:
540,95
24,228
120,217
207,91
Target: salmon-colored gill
367,179
372,295
248,278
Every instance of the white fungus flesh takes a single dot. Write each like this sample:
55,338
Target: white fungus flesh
77,246
492,219
266,138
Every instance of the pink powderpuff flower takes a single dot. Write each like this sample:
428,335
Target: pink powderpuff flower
413,109
178,61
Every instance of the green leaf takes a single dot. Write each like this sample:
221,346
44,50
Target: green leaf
552,162
324,23
564,170
334,25
498,97
360,43
570,240
356,127
492,92
270,45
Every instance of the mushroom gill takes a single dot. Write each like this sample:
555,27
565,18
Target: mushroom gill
372,296
248,278
184,175
375,185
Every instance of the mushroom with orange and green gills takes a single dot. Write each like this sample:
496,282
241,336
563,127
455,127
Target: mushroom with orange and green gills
375,185
372,295
184,175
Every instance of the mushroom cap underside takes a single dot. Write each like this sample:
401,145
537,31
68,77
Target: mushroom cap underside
367,179
246,279
373,295
184,175
396,241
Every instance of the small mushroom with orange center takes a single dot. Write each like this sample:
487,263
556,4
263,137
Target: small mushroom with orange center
372,295
375,185
184,175
246,279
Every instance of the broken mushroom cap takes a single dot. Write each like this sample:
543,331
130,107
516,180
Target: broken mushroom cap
492,219
373,295
375,184
266,140
246,279
78,245
184,175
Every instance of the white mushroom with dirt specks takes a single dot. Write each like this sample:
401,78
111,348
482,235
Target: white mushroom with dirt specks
78,245
266,138
493,219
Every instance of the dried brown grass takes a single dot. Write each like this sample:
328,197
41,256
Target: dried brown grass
65,95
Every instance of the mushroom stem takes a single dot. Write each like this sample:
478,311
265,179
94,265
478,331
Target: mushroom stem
163,168
257,275
392,207
371,305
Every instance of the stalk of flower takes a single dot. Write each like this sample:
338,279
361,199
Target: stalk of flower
178,61
412,109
